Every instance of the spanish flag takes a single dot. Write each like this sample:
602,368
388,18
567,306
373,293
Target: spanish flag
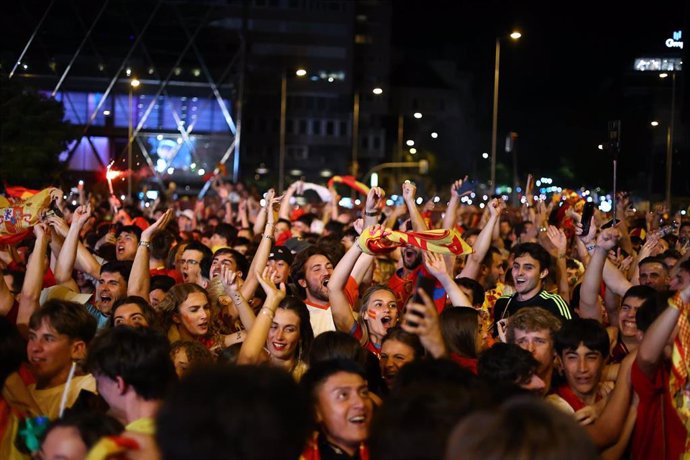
18,214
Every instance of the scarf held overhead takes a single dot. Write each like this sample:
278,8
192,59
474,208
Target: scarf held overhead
442,241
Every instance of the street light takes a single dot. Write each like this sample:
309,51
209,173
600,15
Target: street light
669,141
355,128
283,112
133,84
654,123
494,125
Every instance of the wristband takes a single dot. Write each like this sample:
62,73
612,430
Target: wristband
267,312
146,244
372,213
590,247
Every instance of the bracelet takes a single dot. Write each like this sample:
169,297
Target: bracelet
372,213
590,247
146,244
270,237
267,312
237,298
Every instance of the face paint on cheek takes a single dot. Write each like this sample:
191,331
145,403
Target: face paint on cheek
371,314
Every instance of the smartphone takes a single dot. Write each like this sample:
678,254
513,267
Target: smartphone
466,188
427,284
587,214
610,223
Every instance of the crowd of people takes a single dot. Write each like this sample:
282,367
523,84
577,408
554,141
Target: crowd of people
286,326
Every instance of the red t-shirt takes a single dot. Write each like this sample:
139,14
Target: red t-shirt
404,287
174,274
468,363
659,432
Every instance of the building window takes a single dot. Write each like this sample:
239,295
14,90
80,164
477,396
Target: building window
343,129
303,126
316,127
330,128
377,143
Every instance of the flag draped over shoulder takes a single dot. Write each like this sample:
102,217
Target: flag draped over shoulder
679,384
19,214
442,241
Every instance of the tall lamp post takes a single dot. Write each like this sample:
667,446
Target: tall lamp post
494,119
377,91
133,84
669,141
283,116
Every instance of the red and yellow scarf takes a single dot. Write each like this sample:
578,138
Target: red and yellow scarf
442,241
679,384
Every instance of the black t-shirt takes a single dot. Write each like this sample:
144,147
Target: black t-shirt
508,305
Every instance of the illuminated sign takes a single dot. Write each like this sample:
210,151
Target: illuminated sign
658,64
675,41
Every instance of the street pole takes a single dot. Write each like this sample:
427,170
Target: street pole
283,111
494,119
355,134
399,148
129,145
669,142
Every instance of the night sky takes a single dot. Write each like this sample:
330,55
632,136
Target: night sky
564,79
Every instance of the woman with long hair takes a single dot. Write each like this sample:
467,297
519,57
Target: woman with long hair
281,333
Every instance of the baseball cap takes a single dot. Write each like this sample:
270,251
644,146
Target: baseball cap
296,245
62,293
281,253
188,213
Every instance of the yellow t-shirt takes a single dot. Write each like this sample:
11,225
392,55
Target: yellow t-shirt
48,400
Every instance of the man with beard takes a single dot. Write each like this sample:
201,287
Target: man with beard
406,279
312,269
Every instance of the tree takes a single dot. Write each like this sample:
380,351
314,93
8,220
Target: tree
33,133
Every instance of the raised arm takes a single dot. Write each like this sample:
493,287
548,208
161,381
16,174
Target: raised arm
340,306
560,243
651,350
372,207
251,350
33,281
451,215
483,242
409,191
589,291
6,297
228,279
285,206
261,257
68,254
608,427
436,265
139,281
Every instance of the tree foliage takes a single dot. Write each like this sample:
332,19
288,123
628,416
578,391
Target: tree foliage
33,133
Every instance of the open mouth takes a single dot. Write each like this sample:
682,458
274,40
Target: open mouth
386,320
358,419
106,298
279,346
324,283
